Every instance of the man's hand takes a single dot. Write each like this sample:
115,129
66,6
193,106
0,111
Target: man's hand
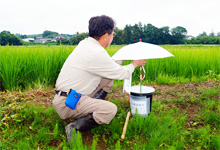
139,63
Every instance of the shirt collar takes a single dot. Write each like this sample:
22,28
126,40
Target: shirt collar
93,40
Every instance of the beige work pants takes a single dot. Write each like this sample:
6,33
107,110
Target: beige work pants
103,111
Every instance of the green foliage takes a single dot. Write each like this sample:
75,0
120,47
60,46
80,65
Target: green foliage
178,35
6,38
117,145
76,39
76,141
148,33
94,142
26,126
49,34
55,131
204,39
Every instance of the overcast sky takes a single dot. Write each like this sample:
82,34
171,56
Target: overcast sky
71,16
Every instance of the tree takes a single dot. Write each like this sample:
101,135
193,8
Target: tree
49,34
164,35
150,34
212,34
119,38
7,38
202,35
76,39
23,36
178,34
127,34
136,32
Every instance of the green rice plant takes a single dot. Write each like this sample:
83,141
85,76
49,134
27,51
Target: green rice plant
165,79
23,67
189,64
33,67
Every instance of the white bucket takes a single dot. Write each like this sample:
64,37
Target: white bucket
141,102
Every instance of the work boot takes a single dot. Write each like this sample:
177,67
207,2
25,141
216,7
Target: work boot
101,94
81,124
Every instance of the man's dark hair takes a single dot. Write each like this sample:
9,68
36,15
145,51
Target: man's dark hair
100,25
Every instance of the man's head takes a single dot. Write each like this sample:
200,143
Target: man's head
100,25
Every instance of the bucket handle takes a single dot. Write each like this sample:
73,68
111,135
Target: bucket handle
141,73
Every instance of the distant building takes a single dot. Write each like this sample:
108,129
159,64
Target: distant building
59,37
44,40
53,40
39,37
28,40
189,37
40,40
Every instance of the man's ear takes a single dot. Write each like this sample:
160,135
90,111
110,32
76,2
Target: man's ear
105,36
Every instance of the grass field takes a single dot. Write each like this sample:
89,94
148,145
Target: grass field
185,111
32,67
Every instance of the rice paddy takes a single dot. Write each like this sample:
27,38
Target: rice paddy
31,67
184,115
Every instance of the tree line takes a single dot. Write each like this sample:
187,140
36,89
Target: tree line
148,33
130,34
151,34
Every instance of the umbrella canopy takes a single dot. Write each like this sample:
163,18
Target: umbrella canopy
141,50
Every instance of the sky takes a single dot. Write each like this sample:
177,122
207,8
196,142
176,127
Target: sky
71,16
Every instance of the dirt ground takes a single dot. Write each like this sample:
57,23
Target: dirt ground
45,97
162,92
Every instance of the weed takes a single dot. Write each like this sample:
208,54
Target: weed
179,123
209,92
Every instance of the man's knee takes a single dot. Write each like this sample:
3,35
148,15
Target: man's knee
105,114
113,110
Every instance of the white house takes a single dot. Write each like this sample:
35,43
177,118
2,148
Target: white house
28,40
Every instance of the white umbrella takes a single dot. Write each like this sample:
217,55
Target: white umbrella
137,51
141,50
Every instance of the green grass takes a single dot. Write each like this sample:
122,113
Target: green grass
170,125
32,67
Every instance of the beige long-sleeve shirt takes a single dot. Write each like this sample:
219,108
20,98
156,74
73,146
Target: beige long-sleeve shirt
86,65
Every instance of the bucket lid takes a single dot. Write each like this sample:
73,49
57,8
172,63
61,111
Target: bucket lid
144,89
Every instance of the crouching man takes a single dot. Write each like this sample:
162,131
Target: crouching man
90,71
